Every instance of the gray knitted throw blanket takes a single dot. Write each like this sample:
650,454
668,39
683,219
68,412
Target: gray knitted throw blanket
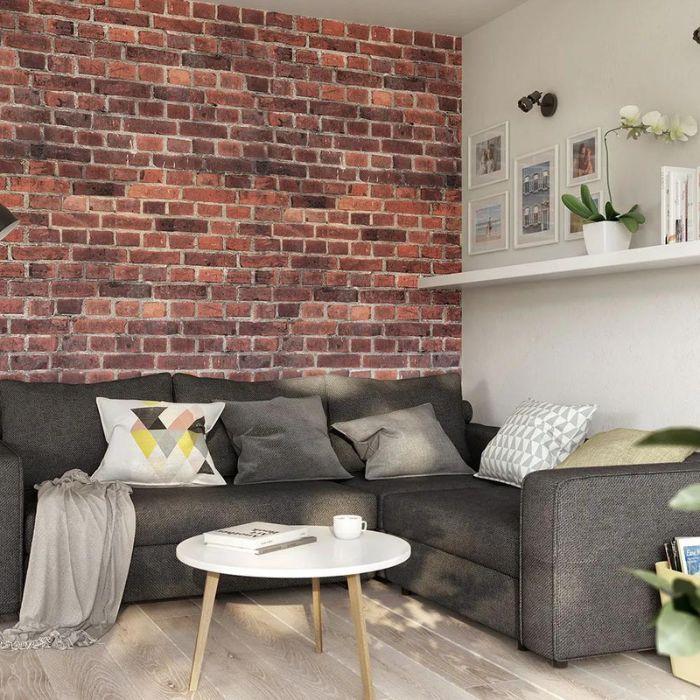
80,556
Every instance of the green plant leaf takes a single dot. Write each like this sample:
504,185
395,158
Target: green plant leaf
577,206
687,499
610,213
661,584
588,200
683,587
597,217
634,213
677,633
689,437
632,225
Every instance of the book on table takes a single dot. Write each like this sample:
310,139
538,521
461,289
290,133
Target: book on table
256,535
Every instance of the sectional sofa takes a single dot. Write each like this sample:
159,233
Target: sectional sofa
544,564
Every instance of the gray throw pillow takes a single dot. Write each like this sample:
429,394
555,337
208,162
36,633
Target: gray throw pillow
281,440
409,442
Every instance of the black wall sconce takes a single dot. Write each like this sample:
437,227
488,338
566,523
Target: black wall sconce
547,103
696,35
7,221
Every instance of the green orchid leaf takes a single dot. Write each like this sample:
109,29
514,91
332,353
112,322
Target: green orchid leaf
687,499
577,206
661,584
632,225
588,200
634,213
597,217
610,213
689,437
677,633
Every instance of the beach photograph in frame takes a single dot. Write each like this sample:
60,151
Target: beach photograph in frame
488,224
488,156
583,158
536,204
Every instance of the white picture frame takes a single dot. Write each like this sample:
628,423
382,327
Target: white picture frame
488,224
583,157
488,156
536,198
572,224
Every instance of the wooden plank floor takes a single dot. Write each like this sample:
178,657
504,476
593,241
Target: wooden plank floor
261,647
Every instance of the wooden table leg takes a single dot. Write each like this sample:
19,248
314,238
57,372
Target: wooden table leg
358,617
316,607
210,587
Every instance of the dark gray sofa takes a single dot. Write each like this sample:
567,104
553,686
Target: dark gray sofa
543,565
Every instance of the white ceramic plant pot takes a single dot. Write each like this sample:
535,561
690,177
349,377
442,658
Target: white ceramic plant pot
606,237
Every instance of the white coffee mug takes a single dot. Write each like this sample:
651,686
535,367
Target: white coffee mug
348,527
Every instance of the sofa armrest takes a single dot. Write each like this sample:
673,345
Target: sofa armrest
581,529
478,436
11,530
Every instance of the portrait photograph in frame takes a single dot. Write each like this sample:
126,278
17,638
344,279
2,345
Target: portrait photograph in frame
488,224
583,157
536,200
573,223
488,156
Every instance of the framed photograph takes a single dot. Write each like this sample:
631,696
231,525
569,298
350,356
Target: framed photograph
488,156
536,203
583,157
488,224
689,554
573,223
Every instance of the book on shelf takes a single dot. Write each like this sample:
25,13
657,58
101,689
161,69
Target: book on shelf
683,554
680,219
255,535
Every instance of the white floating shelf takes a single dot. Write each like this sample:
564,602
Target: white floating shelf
647,258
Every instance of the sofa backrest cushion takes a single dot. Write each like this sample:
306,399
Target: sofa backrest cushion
192,389
56,427
352,397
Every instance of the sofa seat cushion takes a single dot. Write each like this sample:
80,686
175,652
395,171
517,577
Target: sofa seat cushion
190,389
167,515
350,398
382,488
55,427
480,522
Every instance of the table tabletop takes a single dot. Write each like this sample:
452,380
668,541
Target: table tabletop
327,557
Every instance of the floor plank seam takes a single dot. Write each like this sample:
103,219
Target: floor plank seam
469,651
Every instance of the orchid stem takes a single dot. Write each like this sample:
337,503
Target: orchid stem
607,158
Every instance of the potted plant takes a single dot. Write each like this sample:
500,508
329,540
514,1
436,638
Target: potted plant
678,622
609,230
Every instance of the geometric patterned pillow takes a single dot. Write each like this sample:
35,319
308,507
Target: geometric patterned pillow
155,443
538,435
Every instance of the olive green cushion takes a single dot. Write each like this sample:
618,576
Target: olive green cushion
619,447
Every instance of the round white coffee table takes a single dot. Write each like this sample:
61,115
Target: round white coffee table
328,557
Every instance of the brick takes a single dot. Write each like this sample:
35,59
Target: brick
224,191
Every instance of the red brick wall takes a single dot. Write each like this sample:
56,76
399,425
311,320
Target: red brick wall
224,191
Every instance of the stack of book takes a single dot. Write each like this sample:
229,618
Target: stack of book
683,554
680,220
259,538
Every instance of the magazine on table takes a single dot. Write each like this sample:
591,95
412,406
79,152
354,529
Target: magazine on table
255,535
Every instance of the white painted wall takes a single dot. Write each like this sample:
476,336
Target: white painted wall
629,342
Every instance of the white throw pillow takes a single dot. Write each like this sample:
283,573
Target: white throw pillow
538,435
154,443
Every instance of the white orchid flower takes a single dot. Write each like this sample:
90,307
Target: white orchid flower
682,128
655,122
631,116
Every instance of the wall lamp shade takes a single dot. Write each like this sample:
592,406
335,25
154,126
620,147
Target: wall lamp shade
8,221
547,103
